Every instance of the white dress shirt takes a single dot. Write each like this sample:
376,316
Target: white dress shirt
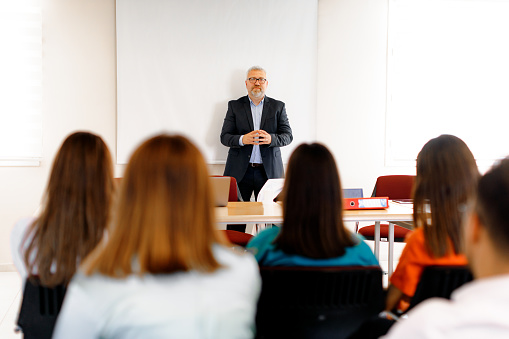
256,112
479,309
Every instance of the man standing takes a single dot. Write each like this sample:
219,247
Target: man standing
255,127
478,309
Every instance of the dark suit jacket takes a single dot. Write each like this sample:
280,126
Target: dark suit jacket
239,121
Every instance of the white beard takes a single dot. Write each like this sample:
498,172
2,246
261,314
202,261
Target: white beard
257,94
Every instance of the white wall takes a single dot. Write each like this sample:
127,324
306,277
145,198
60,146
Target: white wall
79,93
351,92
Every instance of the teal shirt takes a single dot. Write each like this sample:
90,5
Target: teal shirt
266,253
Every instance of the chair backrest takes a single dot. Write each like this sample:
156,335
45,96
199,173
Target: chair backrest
317,302
237,238
440,281
353,193
39,309
394,186
233,193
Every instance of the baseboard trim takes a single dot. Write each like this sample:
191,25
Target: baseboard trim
7,268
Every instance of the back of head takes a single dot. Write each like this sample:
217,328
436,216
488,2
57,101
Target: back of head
164,217
446,178
76,208
312,204
492,205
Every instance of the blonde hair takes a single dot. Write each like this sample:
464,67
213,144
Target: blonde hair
164,219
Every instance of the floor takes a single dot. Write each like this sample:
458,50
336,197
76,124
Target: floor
10,298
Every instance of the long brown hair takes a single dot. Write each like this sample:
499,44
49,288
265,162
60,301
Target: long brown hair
447,176
164,219
312,205
76,209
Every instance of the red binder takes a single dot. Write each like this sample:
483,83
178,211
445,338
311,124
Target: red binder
375,203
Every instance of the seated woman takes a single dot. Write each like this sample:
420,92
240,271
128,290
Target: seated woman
74,215
313,233
446,178
163,272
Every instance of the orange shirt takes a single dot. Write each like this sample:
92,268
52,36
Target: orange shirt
413,260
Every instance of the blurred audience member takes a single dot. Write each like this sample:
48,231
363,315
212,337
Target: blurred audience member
163,272
446,177
74,215
478,309
313,233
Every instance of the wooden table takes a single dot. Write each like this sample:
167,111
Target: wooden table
271,212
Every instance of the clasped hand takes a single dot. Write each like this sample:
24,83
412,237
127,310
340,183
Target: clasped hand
258,137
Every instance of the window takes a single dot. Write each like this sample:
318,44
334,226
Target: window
448,73
20,83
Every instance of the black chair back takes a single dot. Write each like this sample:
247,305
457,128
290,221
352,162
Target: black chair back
39,309
317,302
439,281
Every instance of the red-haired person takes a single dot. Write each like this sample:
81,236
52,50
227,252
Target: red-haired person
163,271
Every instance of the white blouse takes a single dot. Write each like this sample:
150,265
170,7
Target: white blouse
18,234
221,304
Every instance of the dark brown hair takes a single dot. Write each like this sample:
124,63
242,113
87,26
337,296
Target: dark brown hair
446,178
492,204
312,205
76,209
165,214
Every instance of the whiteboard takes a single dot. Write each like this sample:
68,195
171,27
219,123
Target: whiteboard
180,62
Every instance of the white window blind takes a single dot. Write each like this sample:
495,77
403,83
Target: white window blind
20,82
448,72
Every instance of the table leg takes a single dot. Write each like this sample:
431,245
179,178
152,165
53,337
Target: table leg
377,240
391,248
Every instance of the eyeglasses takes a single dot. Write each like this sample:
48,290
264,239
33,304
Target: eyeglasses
260,80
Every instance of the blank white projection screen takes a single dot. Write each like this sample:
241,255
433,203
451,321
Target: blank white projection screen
180,62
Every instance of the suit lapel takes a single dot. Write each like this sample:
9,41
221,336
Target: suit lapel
249,115
265,112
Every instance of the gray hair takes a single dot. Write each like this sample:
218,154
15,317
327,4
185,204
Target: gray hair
255,68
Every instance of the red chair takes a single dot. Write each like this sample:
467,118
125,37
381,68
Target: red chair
233,195
237,238
395,187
